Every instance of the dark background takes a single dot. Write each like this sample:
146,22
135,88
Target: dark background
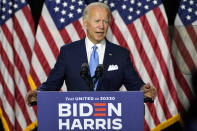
171,7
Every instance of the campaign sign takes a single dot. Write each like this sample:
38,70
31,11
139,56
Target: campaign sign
76,111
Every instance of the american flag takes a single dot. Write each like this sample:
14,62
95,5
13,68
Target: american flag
138,25
184,45
16,46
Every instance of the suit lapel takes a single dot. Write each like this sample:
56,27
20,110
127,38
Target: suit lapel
83,51
106,62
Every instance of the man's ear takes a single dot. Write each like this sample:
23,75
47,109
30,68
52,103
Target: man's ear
85,23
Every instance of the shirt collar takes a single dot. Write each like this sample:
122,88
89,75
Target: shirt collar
89,44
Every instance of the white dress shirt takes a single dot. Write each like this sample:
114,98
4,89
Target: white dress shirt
100,49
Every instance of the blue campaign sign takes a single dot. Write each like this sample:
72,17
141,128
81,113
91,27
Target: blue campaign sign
90,111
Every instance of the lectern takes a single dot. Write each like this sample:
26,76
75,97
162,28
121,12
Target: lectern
90,111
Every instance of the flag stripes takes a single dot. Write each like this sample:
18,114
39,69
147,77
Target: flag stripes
16,44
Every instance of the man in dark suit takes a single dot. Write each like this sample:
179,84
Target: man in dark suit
118,68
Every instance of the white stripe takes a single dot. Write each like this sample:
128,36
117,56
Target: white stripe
20,117
7,108
179,59
26,28
72,32
164,13
149,118
52,27
21,53
6,46
111,37
37,67
7,78
45,47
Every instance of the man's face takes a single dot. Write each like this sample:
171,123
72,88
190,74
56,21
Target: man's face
96,24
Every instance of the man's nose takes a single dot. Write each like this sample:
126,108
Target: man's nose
101,24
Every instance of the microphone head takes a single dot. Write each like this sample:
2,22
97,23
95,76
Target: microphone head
99,71
84,70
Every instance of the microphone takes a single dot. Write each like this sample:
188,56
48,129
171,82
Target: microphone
98,72
85,75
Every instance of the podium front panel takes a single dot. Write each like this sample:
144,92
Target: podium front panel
76,111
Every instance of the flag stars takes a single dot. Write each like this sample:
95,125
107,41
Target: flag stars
112,5
196,13
70,15
3,9
130,9
57,1
63,12
188,17
132,1
10,3
62,20
65,4
15,6
4,1
105,1
138,12
190,10
23,1
73,1
124,7
129,17
154,2
72,7
10,11
80,2
79,10
139,4
191,2
56,9
146,7
183,7
3,17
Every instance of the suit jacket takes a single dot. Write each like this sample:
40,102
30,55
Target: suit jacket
73,55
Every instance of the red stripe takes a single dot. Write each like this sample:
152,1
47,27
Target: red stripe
17,126
150,71
35,77
192,34
183,50
22,38
49,37
146,127
99,114
6,92
22,104
10,126
161,61
7,34
42,59
65,36
79,29
29,18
